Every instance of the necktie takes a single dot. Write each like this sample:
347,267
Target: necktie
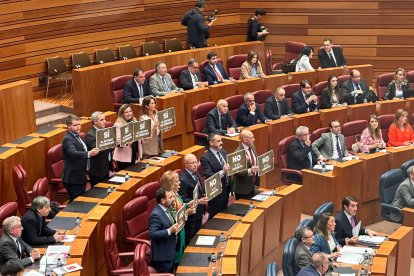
19,249
170,217
219,76
278,108
195,78
352,219
338,148
220,124
85,148
357,86
252,158
332,58
141,95
221,159
197,180
309,157
166,88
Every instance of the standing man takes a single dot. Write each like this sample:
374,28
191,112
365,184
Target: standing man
303,256
163,230
214,71
356,89
212,162
219,120
299,154
331,56
249,112
255,30
12,247
75,158
190,178
304,100
136,88
331,145
245,182
102,162
276,106
161,82
191,78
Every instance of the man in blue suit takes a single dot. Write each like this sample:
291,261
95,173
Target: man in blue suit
319,265
219,120
136,88
304,100
162,231
214,71
249,112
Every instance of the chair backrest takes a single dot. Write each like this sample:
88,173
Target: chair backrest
175,73
172,45
382,81
199,115
291,89
111,252
292,50
117,90
405,166
104,56
234,104
41,188
127,52
317,88
149,73
55,161
151,48
19,184
234,64
288,258
342,78
135,218
410,78
316,134
307,222
283,149
260,97
271,269
56,66
327,207
140,264
268,62
7,210
385,123
80,60
148,190
389,183
351,129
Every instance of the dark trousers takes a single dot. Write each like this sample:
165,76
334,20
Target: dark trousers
94,179
245,196
163,266
74,190
218,203
191,228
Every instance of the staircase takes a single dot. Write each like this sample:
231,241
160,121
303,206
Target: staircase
50,114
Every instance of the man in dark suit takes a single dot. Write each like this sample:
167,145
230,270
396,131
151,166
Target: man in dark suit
191,78
330,145
136,88
245,182
255,30
163,232
190,179
75,158
219,120
212,162
12,247
35,229
346,220
319,265
214,71
276,106
303,256
304,100
249,112
330,56
299,154
101,163
356,89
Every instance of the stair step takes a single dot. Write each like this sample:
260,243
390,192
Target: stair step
51,120
44,108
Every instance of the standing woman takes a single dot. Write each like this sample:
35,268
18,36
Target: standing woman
251,68
129,154
324,239
303,60
398,87
400,132
151,146
371,137
332,95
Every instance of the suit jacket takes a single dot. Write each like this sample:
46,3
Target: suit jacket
243,182
308,271
197,30
99,164
324,145
326,62
131,93
9,250
404,196
297,156
35,229
303,257
212,122
186,80
348,88
186,192
157,85
390,92
343,228
162,244
326,99
210,76
271,110
299,104
320,244
245,118
246,70
75,159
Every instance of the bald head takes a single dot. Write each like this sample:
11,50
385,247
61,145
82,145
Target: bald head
190,162
222,106
247,138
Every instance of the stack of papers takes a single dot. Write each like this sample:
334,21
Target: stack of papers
117,179
261,197
205,240
377,240
58,249
327,167
67,268
353,254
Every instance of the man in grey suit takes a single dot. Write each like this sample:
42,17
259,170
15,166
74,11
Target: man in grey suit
161,82
330,145
404,196
303,256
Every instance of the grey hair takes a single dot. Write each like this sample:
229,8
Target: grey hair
247,95
9,223
94,116
300,130
300,233
318,259
410,170
157,65
40,202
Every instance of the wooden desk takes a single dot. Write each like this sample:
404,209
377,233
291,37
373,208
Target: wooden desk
256,220
291,210
170,163
317,188
390,106
310,119
271,82
272,208
150,174
297,77
398,155
248,85
52,137
322,74
336,113
192,98
242,233
404,238
222,91
379,267
409,105
129,187
175,100
388,249
8,159
361,111
278,130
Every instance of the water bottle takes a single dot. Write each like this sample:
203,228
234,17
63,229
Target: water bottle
323,167
109,191
213,263
251,206
126,177
77,226
366,263
365,101
59,264
147,166
173,152
273,192
222,241
48,271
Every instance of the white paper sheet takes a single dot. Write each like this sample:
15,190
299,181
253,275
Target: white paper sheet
67,268
356,250
58,249
205,240
260,197
327,167
350,258
374,239
33,273
117,179
232,134
350,157
69,238
355,230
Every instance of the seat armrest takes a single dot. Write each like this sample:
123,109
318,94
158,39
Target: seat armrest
285,172
199,134
126,254
138,240
391,207
122,271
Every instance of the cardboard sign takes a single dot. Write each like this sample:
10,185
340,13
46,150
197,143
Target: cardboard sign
266,162
142,129
126,134
166,118
195,197
106,138
180,218
213,186
237,162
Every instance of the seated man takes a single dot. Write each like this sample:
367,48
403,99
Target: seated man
276,106
214,71
136,88
249,112
346,220
330,56
11,267
404,196
12,247
191,78
161,82
303,256
219,120
331,145
304,100
319,265
299,154
356,89
35,229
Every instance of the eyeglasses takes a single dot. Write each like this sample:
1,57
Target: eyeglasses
192,163
308,237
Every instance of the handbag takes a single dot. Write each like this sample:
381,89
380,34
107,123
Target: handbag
288,67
